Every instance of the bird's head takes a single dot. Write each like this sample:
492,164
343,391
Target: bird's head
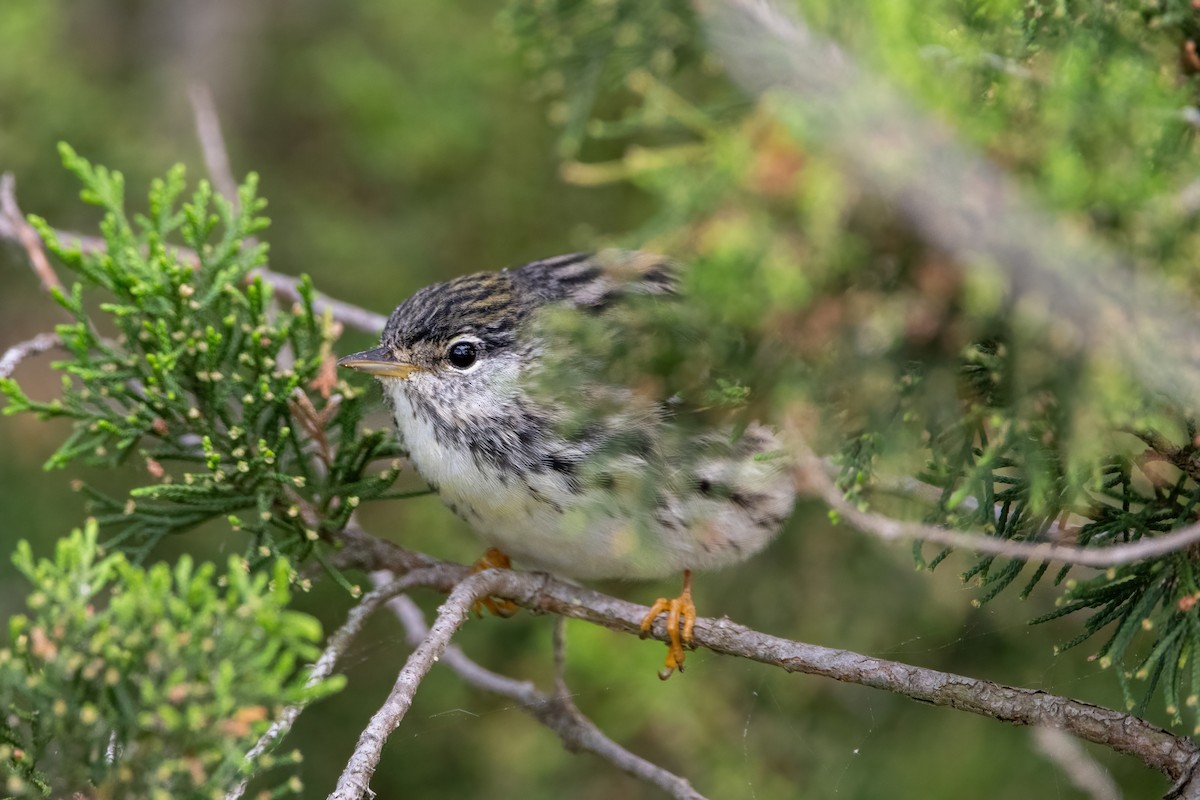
455,345
470,346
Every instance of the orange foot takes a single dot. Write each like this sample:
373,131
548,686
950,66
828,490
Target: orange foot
681,618
494,559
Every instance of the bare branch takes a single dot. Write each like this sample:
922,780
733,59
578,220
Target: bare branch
1084,773
561,690
355,779
14,355
212,143
348,314
324,665
13,226
216,160
558,713
1174,756
812,479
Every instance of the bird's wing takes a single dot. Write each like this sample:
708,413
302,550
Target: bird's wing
594,281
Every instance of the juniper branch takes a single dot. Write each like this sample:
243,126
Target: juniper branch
557,712
14,227
323,668
286,287
1176,757
812,479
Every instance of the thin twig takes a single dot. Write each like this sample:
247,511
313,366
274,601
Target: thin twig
1185,459
285,286
558,713
1083,771
1175,756
812,479
16,228
14,355
212,143
355,779
323,668
559,642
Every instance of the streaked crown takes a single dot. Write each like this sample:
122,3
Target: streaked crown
493,305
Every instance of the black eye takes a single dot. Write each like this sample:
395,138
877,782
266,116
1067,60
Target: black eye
462,354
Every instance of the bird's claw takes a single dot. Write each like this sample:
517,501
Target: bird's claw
494,558
681,620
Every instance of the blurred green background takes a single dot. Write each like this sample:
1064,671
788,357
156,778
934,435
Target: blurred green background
399,144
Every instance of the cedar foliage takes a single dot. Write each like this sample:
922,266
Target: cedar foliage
913,367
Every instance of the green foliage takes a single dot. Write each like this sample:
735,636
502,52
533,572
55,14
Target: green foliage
585,50
129,682
806,289
181,359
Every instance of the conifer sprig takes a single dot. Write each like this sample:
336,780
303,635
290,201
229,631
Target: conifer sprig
180,359
122,681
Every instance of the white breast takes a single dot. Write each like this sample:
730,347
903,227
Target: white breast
538,520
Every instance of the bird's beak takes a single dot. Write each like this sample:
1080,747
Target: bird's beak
378,362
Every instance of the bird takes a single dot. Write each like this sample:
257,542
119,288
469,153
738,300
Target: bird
588,481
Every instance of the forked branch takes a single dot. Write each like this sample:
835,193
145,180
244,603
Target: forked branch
1174,756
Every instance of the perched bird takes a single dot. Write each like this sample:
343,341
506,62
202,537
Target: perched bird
583,484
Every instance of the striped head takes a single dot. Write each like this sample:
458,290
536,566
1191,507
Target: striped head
463,345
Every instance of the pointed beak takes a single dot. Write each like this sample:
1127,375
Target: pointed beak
378,362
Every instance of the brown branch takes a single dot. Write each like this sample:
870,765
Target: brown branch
1185,459
557,712
812,479
355,779
348,314
212,143
1083,771
285,286
1174,756
14,227
14,355
335,647
216,161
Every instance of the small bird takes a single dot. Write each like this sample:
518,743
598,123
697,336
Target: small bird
584,484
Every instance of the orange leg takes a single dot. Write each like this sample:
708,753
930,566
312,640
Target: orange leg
494,559
681,619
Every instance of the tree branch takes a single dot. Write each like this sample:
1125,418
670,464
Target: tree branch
1174,756
355,779
1080,768
812,479
212,143
14,355
14,227
557,712
285,286
323,668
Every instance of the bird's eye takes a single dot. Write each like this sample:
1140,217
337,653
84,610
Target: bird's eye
462,354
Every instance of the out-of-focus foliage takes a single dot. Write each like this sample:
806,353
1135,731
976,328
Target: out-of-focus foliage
230,403
816,296
581,52
122,681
